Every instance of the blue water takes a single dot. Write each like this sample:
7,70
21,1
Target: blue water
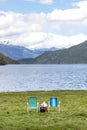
42,77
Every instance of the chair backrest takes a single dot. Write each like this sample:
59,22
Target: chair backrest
53,102
32,102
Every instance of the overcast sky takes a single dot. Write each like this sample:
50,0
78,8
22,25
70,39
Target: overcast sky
43,23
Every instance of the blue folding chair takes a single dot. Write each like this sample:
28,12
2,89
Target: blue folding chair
54,103
32,103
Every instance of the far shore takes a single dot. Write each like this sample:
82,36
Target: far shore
37,91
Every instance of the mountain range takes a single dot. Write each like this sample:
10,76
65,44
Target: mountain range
20,52
15,52
74,55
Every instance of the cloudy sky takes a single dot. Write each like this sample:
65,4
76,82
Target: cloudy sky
43,23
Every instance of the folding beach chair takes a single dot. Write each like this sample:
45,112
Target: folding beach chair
32,103
54,103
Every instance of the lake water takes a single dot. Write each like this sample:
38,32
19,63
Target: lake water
42,77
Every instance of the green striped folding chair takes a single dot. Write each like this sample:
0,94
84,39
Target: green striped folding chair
32,103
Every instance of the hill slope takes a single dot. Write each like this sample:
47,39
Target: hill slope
6,60
73,55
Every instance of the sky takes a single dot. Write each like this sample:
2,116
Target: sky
39,24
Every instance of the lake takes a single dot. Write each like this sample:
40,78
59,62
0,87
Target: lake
34,77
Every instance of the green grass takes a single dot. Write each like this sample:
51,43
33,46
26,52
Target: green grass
73,115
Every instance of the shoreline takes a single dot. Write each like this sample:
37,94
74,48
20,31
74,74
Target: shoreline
37,91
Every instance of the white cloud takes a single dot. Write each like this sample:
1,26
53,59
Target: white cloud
46,1
48,40
70,15
42,1
36,30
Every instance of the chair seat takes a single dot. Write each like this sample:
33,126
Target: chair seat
33,107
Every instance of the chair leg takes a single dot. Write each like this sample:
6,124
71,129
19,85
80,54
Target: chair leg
37,109
48,108
27,108
59,107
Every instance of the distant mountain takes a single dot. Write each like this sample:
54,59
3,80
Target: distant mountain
20,52
26,61
74,55
15,52
6,60
42,50
39,52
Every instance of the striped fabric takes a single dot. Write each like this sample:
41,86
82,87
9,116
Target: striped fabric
32,102
53,102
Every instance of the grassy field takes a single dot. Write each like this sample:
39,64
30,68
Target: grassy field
73,115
